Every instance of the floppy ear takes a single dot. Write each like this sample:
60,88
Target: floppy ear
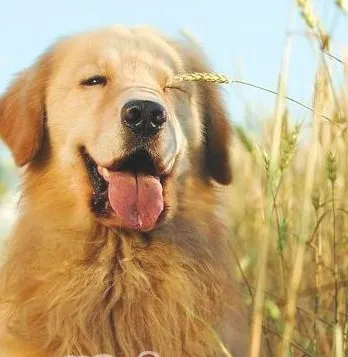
217,126
22,111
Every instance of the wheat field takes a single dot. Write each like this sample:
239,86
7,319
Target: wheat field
289,215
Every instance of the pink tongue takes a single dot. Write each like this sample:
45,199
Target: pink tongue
136,199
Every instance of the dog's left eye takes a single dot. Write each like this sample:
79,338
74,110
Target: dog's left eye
176,87
94,81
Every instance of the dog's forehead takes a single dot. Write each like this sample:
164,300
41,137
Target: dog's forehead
117,45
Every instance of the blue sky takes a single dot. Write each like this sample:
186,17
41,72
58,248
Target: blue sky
240,37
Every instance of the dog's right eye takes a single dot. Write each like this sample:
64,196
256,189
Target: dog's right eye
94,81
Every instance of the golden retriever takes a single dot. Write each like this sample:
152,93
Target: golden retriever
121,245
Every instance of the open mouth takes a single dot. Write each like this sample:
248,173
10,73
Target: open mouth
131,189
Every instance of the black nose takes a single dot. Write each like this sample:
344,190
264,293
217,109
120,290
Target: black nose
144,117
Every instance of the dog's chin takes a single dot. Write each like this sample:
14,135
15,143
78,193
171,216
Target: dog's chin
131,193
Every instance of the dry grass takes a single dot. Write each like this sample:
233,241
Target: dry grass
289,213
297,206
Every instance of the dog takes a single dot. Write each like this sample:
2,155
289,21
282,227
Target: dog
121,245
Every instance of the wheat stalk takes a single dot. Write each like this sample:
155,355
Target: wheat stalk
342,4
202,77
219,78
307,13
312,21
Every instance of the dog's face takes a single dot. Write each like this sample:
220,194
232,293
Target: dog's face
119,131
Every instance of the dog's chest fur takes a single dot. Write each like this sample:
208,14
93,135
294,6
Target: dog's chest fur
129,293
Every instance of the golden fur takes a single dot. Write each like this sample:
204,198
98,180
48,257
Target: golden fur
76,284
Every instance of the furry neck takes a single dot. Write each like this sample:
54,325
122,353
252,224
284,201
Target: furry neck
116,292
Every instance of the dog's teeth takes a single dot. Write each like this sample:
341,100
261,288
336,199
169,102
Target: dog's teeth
171,163
104,172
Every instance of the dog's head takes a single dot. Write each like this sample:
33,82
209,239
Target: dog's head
101,108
